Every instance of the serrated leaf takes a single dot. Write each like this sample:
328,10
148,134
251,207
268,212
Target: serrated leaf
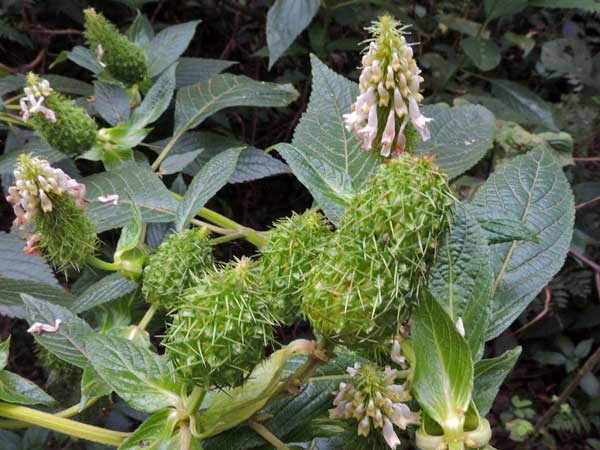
137,182
532,189
168,45
484,53
254,164
177,162
587,5
195,103
460,136
16,265
505,229
142,378
108,289
325,156
16,389
10,295
489,376
155,430
195,70
461,279
92,385
443,379
499,8
207,182
285,21
67,342
112,102
156,101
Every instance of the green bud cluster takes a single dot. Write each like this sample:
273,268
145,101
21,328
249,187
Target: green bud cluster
123,59
181,259
372,272
219,331
66,127
293,245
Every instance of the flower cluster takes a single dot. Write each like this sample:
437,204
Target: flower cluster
389,93
35,94
373,398
36,182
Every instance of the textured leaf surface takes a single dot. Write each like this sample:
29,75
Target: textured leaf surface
325,156
106,290
460,136
156,100
67,341
484,53
154,431
207,182
112,102
254,164
195,70
36,147
142,378
499,8
489,375
16,389
285,21
444,370
461,280
15,264
135,182
168,45
178,162
532,189
195,103
11,303
92,385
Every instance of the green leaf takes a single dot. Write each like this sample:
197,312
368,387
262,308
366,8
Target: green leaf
524,102
524,42
499,8
325,156
92,385
142,378
132,234
195,70
141,31
155,430
207,182
195,103
587,5
177,162
532,189
15,264
137,182
4,349
10,299
84,58
460,136
254,164
461,279
68,85
484,53
506,229
108,289
572,57
489,375
67,342
156,101
168,45
443,379
16,389
112,102
285,21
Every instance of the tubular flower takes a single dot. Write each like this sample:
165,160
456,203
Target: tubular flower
386,114
49,202
374,400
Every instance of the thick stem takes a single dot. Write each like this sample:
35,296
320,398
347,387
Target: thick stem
227,238
252,236
147,317
267,435
194,400
62,425
103,265
66,413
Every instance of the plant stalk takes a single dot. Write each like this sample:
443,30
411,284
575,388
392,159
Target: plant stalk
66,413
195,400
267,435
103,265
147,317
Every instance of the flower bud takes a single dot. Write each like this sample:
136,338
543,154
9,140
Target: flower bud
122,58
64,126
371,273
386,115
219,331
181,259
50,203
293,245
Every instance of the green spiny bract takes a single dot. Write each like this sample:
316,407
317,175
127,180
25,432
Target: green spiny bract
293,244
72,131
220,329
374,269
180,260
124,60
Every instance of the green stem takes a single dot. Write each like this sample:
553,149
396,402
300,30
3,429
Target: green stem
62,425
194,401
66,413
227,238
9,118
103,265
252,236
165,151
147,317
267,435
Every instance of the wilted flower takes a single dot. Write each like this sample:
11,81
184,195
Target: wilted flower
373,399
386,112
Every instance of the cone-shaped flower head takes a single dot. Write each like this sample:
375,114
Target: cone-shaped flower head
368,277
122,58
179,262
373,399
386,114
293,245
51,204
66,127
219,331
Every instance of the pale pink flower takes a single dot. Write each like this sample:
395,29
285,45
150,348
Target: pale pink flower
38,327
418,120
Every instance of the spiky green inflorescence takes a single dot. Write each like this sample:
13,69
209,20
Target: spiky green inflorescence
179,261
72,132
372,272
219,331
293,245
68,237
124,60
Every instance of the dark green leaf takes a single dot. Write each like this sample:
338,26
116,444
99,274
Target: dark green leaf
587,5
505,229
499,8
92,385
108,289
156,101
489,375
155,430
484,53
177,162
16,265
168,45
112,102
195,70
16,389
10,299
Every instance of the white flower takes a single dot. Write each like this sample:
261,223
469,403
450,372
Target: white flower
35,95
112,198
418,120
369,132
388,134
390,436
38,327
100,55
